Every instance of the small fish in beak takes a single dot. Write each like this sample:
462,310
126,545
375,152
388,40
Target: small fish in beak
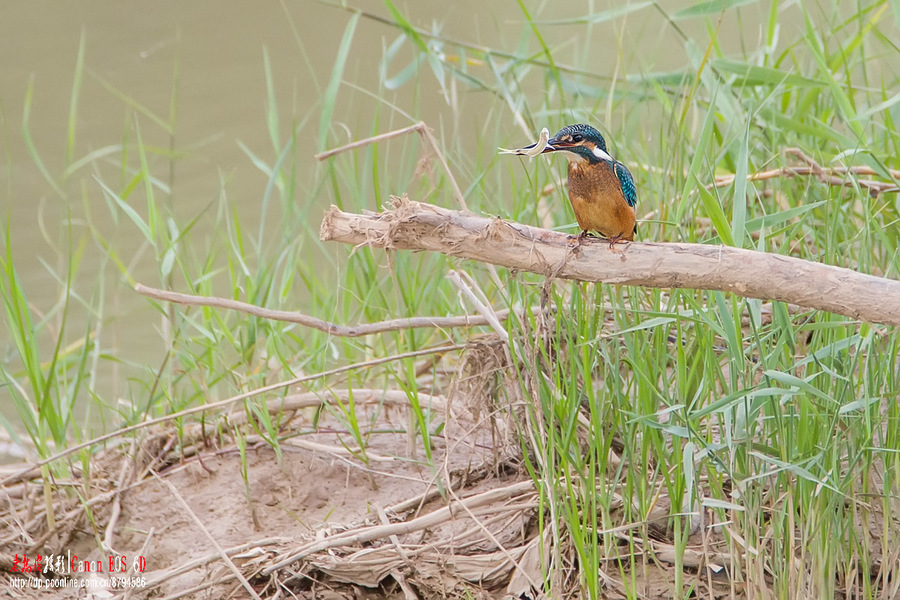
532,150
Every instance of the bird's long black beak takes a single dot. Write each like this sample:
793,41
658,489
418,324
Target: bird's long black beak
548,148
554,144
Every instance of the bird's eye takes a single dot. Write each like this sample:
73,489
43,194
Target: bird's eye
577,138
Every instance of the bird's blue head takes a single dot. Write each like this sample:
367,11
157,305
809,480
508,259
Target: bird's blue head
579,143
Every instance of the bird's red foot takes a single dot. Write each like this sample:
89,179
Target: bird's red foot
575,240
614,239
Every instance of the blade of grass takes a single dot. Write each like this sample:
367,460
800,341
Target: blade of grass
712,7
554,72
838,95
600,17
750,74
739,199
29,142
330,97
73,99
133,104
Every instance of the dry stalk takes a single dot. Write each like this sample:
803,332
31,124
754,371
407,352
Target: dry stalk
836,176
219,550
418,501
361,396
363,535
490,535
141,552
125,473
408,592
469,289
209,558
337,452
359,330
422,129
416,226
369,566
370,140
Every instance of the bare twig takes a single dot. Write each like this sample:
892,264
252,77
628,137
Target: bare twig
426,133
370,140
196,563
836,176
360,396
422,129
343,452
415,226
209,537
126,470
314,323
478,300
141,552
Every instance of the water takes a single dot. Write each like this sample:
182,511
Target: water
221,94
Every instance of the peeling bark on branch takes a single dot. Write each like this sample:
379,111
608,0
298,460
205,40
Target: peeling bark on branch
415,226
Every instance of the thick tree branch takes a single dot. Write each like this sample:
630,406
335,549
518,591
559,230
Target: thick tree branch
416,226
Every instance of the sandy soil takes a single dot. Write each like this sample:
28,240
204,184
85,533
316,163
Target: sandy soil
182,511
325,520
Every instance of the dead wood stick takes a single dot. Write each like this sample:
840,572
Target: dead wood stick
368,534
312,322
361,396
167,575
415,226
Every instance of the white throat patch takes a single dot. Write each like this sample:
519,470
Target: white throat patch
599,153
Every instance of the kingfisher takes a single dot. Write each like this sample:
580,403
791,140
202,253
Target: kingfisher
601,189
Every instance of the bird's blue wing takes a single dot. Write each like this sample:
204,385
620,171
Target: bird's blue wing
627,183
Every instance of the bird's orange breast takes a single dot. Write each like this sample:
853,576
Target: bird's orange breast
598,201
